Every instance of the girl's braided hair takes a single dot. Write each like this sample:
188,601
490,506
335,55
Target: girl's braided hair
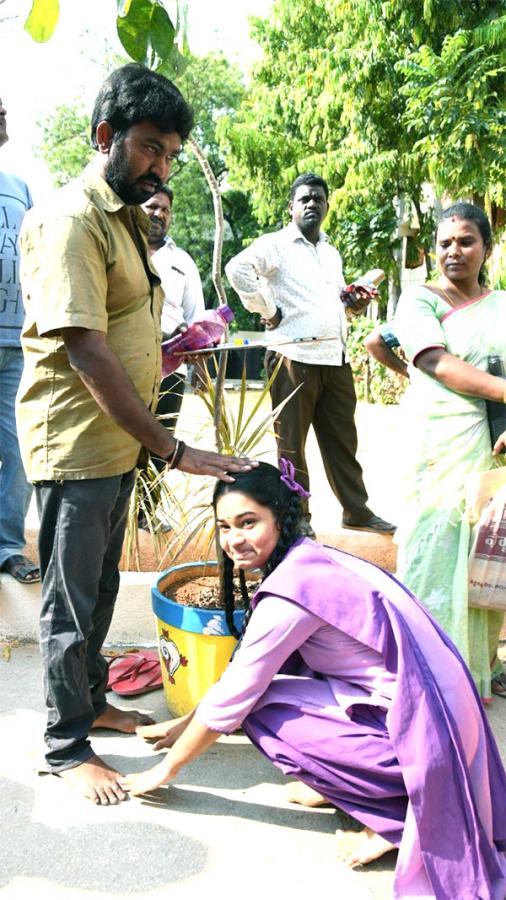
263,484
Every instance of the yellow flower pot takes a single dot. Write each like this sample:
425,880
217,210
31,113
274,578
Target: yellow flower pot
195,644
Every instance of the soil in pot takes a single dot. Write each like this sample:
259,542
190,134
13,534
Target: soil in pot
204,592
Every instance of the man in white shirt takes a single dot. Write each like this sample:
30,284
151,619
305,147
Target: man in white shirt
183,302
294,279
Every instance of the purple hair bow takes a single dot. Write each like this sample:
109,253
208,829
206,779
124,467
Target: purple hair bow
287,470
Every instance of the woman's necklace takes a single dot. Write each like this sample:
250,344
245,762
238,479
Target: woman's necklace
450,300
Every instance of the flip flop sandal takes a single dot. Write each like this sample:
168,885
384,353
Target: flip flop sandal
135,673
498,685
21,568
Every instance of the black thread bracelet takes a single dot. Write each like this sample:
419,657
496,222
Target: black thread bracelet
178,453
170,456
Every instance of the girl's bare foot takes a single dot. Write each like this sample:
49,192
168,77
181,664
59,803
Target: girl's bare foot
96,781
164,734
298,792
124,720
357,848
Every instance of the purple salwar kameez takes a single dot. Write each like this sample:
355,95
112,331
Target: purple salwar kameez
344,681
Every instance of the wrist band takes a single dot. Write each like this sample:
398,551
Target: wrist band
178,453
170,458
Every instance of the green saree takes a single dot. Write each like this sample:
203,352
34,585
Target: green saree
448,439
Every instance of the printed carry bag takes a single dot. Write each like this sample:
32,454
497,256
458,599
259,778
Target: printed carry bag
486,508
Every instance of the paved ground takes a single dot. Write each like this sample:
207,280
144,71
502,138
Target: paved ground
223,830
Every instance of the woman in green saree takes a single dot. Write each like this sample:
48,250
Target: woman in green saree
448,329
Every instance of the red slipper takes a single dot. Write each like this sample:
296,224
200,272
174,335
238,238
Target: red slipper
135,673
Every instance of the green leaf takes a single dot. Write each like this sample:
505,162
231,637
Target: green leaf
43,19
176,64
146,31
162,33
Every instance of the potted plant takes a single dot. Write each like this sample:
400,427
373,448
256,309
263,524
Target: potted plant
195,635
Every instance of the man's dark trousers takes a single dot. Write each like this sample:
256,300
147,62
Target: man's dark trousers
326,400
82,525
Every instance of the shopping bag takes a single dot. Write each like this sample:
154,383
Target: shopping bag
486,508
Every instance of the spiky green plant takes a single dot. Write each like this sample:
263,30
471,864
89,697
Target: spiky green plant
185,506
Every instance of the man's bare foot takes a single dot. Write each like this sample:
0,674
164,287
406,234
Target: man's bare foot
164,734
96,781
298,792
125,720
357,848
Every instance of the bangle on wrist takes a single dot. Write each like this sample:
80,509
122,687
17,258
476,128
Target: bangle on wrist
178,453
174,457
170,458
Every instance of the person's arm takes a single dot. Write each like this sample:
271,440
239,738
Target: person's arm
193,307
357,298
419,330
500,444
376,346
273,322
103,375
194,741
193,297
460,376
276,629
259,260
165,734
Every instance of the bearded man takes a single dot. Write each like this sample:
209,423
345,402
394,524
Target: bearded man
91,346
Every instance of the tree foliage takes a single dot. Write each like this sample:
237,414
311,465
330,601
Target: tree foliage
380,97
144,28
455,111
65,143
43,19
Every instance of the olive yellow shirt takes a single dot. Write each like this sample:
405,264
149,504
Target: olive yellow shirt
81,267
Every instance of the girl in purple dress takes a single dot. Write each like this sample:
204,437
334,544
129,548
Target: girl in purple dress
345,682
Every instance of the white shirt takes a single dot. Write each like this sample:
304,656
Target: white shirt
304,280
181,284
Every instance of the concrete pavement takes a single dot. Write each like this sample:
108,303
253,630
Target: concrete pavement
223,830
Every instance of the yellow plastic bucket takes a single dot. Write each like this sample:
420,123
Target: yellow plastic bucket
194,644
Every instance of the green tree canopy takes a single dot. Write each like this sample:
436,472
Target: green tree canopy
65,146
338,92
455,112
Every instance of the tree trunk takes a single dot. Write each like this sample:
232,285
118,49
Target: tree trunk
219,223
421,222
394,292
